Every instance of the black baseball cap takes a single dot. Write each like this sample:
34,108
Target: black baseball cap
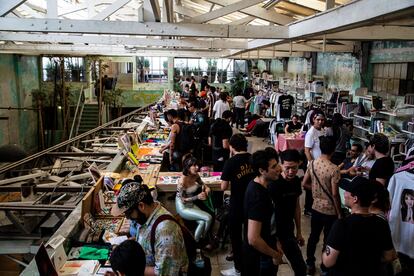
359,186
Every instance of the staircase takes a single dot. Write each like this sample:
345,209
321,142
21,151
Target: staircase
89,118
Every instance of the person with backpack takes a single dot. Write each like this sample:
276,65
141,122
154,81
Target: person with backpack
167,254
220,133
182,140
200,127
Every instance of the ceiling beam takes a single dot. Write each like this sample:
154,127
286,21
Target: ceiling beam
356,12
132,41
152,11
310,48
243,21
7,6
239,5
185,11
111,9
52,9
329,4
377,32
259,54
84,50
137,28
362,13
268,15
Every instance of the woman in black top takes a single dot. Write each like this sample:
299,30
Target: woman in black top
293,125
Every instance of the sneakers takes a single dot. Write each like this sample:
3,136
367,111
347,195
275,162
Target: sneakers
230,272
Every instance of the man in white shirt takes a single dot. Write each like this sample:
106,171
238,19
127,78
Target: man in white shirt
313,151
239,102
221,106
312,148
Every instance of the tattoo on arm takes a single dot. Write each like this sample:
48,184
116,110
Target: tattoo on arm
327,250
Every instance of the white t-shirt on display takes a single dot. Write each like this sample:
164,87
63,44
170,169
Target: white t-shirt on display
402,230
219,108
312,141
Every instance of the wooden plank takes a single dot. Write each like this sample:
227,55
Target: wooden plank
386,69
390,86
391,70
404,68
396,86
380,70
397,72
88,199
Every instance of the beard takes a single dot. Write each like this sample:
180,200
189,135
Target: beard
141,218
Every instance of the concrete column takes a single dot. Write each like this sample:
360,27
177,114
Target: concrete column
171,73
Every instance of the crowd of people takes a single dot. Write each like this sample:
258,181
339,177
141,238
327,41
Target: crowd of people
264,216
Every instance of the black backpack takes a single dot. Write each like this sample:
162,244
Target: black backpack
186,140
190,247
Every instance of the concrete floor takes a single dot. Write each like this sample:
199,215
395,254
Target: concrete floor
218,256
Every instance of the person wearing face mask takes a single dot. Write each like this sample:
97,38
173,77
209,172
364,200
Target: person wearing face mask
190,192
169,256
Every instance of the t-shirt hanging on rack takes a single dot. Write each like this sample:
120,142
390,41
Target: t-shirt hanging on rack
401,188
285,106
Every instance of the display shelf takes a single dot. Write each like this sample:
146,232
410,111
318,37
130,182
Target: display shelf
408,132
366,118
360,127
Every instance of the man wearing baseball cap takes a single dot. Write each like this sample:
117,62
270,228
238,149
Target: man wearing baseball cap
169,256
359,243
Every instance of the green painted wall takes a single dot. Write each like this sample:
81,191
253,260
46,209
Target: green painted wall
276,69
20,74
392,51
341,70
297,66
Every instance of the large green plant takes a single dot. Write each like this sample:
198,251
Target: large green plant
238,84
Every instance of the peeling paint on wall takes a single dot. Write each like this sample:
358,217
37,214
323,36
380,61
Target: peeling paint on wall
20,74
341,70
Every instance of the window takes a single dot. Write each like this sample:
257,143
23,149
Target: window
152,69
74,68
217,70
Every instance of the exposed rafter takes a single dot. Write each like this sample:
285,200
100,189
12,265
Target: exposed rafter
322,23
268,15
84,50
223,11
8,6
117,40
108,11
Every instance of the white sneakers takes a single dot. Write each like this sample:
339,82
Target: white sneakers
230,272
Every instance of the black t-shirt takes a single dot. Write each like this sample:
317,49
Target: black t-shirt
284,195
285,102
382,168
361,241
292,127
239,172
219,131
258,206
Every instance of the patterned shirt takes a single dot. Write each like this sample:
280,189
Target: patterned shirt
170,253
328,174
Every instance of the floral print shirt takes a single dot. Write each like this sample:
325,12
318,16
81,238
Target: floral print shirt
170,253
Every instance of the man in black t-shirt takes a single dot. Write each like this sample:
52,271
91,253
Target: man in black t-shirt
258,245
357,244
285,193
237,173
383,168
220,133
